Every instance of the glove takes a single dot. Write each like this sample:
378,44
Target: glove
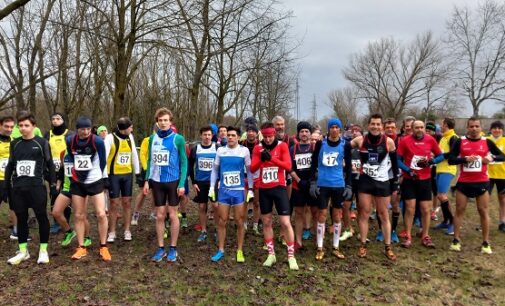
265,155
139,179
106,182
250,196
395,185
314,190
423,163
413,175
6,193
53,191
347,194
303,184
212,195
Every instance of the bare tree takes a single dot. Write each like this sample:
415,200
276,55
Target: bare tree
11,7
476,40
345,104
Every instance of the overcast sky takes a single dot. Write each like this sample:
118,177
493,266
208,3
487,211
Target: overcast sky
332,30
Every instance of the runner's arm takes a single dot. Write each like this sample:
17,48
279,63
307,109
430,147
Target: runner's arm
247,161
191,164
100,150
49,163
454,158
135,156
180,143
256,159
214,174
284,161
315,160
495,151
401,164
348,163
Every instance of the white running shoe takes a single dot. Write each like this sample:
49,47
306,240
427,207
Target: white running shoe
128,236
43,257
20,257
111,237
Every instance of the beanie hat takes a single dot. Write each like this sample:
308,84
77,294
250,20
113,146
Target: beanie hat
303,125
101,128
83,122
334,121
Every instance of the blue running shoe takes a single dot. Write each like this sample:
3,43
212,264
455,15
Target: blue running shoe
158,256
202,237
172,254
450,230
306,234
394,237
417,222
379,236
442,226
218,256
55,228
353,205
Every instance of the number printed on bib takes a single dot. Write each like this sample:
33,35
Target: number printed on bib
205,163
473,166
3,164
161,158
415,159
123,158
67,167
57,164
25,168
231,178
371,170
356,165
303,161
83,162
330,159
270,175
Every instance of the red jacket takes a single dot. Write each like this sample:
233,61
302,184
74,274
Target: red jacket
272,172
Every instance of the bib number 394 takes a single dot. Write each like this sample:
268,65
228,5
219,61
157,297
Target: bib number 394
25,168
270,175
161,158
83,162
231,178
473,166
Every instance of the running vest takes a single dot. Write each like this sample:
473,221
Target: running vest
356,163
303,159
86,161
68,166
375,159
331,165
444,144
204,162
164,159
270,174
475,171
4,156
232,167
120,156
57,144
497,169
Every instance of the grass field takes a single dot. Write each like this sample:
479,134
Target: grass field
419,277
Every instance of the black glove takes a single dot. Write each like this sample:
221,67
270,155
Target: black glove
265,155
395,185
139,179
6,193
413,175
106,183
303,185
53,191
423,163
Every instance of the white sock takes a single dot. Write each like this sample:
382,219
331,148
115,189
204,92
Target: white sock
337,227
320,234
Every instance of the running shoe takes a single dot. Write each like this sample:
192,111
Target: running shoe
450,230
240,256
43,257
179,215
111,237
159,255
104,253
362,251
441,226
55,228
20,257
79,253
486,249
434,216
127,236
13,235
417,222
256,230
306,234
184,222
394,237
218,256
407,243
87,241
202,237
68,238
379,236
198,227
135,218
501,227
403,234
172,255
427,242
337,253
293,265
353,206
390,254
270,260
345,235
455,246
319,254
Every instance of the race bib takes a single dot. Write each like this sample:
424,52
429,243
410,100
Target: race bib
123,158
270,175
25,168
303,161
161,158
371,170
57,164
3,164
83,162
67,167
231,178
330,159
356,165
473,166
205,164
413,162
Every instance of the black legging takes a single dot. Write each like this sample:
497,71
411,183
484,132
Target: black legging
42,220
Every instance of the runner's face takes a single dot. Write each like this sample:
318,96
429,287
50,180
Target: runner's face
103,133
269,139
390,129
206,137
315,137
232,138
164,122
334,131
26,127
304,135
56,121
6,128
496,132
356,132
279,127
251,135
222,132
419,129
375,126
474,128
84,132
408,127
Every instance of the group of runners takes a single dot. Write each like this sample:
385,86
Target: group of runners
309,175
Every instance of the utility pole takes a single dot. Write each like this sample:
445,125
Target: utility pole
314,110
297,97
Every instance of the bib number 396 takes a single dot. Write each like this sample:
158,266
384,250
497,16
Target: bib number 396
25,168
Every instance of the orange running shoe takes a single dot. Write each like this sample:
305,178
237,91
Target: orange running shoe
104,253
362,251
80,252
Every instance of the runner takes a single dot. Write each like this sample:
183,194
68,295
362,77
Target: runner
122,163
251,141
331,183
391,132
377,155
201,160
416,151
167,167
272,158
222,135
89,177
473,153
102,131
229,165
497,172
29,159
16,132
445,174
6,126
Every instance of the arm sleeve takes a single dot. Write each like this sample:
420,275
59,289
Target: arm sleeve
215,171
191,164
293,161
108,141
256,159
401,164
135,156
10,166
144,152
495,151
454,158
148,160
51,170
394,164
247,160
100,150
284,161
315,160
439,158
183,159
348,163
